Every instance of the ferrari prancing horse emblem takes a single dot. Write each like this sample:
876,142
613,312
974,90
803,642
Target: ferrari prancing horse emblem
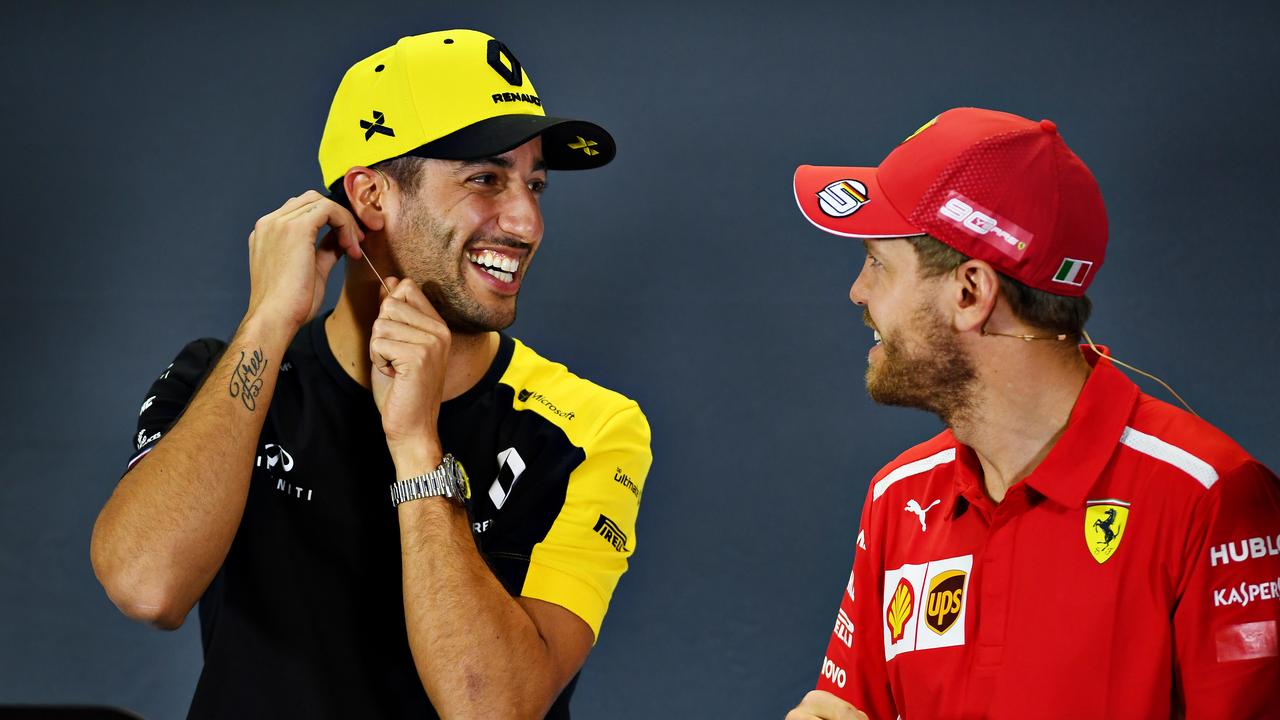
1104,524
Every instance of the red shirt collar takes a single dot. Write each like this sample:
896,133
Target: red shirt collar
1082,453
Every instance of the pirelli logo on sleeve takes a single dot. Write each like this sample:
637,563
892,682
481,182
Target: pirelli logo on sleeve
924,605
844,628
609,530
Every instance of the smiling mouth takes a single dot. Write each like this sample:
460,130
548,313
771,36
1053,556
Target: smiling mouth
877,335
500,266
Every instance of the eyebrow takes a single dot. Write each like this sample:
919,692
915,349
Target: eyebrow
502,162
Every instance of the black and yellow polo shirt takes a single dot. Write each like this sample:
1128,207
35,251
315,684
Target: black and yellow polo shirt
306,618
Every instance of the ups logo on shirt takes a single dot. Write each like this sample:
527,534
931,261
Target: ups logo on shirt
928,595
946,598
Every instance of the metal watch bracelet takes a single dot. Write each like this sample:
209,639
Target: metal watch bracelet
441,482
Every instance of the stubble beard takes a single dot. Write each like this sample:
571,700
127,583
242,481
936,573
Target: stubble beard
437,266
929,371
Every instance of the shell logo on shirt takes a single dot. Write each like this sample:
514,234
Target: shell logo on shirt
900,609
940,589
1104,524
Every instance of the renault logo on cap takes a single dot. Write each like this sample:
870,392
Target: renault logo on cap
842,198
379,125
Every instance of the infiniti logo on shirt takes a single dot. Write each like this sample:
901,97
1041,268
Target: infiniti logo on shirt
278,463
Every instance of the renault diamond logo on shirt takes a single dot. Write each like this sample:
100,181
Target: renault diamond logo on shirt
842,198
585,146
510,466
379,126
1104,524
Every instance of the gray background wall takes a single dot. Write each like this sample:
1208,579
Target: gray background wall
141,143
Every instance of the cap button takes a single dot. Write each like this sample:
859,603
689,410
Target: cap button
1049,127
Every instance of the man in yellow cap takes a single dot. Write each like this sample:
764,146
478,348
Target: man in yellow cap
393,509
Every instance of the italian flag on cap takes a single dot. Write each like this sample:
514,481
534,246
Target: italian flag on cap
1073,272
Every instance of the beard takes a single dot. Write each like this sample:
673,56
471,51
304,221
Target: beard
436,263
927,370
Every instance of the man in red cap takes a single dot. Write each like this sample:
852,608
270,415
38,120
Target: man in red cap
1068,546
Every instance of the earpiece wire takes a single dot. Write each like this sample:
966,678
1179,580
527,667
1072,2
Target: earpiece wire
1144,373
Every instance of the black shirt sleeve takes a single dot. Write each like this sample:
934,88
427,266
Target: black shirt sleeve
170,393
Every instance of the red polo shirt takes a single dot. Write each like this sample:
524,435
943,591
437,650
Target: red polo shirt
1134,574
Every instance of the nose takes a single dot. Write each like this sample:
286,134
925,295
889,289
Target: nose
858,291
521,215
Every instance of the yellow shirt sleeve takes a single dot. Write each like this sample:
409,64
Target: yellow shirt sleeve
578,563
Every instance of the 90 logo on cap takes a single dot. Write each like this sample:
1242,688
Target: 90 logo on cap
982,223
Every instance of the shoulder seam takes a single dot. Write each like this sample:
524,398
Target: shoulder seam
912,468
630,405
1154,447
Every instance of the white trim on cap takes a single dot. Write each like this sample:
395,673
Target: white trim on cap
1154,447
912,468
795,193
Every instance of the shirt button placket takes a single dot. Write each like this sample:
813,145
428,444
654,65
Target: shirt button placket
996,585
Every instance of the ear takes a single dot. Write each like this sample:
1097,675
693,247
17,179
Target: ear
973,288
367,191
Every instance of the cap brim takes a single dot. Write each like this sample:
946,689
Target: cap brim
848,201
566,144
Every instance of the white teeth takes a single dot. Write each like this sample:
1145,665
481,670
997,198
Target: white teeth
503,276
490,260
877,334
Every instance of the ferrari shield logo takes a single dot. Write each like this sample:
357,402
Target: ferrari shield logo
1104,524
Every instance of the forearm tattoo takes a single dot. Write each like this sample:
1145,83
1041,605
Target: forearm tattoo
246,378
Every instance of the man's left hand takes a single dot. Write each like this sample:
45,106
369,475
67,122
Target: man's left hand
409,348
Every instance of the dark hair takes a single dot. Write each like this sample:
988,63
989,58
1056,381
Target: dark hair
404,170
1057,314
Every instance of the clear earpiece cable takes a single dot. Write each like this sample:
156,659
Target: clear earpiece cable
1140,372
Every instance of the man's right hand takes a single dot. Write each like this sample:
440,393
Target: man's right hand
821,705
287,269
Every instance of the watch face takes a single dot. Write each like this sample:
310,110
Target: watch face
464,483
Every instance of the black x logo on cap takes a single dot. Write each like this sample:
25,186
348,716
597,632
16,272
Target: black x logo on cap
379,125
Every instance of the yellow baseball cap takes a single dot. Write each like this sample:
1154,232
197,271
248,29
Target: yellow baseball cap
452,95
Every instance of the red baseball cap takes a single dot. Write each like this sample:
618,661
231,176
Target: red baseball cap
994,186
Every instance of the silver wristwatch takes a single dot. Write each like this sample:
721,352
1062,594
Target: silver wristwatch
448,480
